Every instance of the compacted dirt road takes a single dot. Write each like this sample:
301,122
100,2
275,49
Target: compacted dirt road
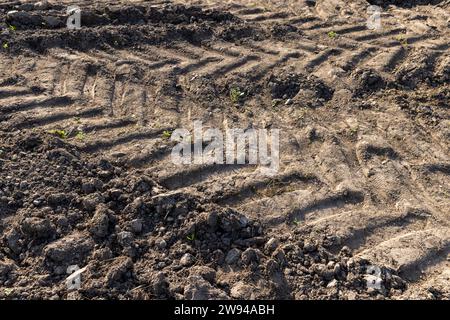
358,210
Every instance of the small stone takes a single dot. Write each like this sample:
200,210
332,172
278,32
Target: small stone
318,268
37,227
249,255
41,5
6,267
322,270
137,204
52,22
272,267
69,249
271,245
226,241
104,174
397,282
243,221
233,256
350,263
212,219
88,187
187,260
288,247
118,154
327,274
337,269
288,102
161,243
345,250
351,295
136,226
309,246
59,270
159,284
207,273
91,202
125,238
13,240
119,271
241,291
280,257
26,7
99,224
103,254
62,222
218,256
23,185
200,289
115,193
57,199
332,283
12,13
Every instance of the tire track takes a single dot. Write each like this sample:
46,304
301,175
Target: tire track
359,188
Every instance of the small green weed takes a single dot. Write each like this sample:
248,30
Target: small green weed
236,95
191,237
332,34
80,135
167,134
60,133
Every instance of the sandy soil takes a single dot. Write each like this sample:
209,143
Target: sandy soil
86,178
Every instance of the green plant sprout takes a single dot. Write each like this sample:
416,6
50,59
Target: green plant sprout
236,95
60,133
353,130
80,135
167,134
332,34
191,237
5,45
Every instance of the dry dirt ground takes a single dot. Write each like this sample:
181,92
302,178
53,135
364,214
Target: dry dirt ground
85,171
